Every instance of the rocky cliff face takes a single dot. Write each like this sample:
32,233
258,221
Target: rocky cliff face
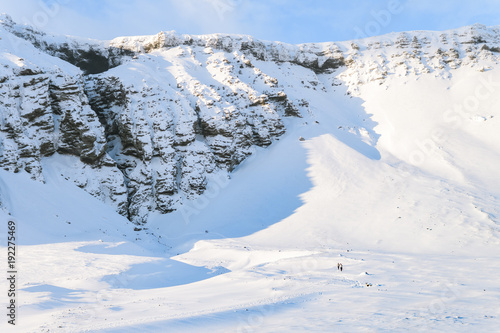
145,123
170,134
46,112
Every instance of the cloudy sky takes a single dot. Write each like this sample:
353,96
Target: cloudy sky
292,21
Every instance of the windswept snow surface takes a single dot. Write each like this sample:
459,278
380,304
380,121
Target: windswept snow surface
397,180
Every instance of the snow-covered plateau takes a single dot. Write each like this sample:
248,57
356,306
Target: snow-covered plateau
178,183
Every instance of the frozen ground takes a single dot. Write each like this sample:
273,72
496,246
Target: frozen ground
411,211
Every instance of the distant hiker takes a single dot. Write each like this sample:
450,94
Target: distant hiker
338,266
341,267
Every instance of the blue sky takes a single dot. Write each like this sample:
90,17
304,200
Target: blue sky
292,21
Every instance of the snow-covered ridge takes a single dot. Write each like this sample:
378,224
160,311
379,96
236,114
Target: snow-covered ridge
90,55
446,46
456,43
148,123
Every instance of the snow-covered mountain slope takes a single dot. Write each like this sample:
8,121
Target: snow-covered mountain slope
395,176
162,116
